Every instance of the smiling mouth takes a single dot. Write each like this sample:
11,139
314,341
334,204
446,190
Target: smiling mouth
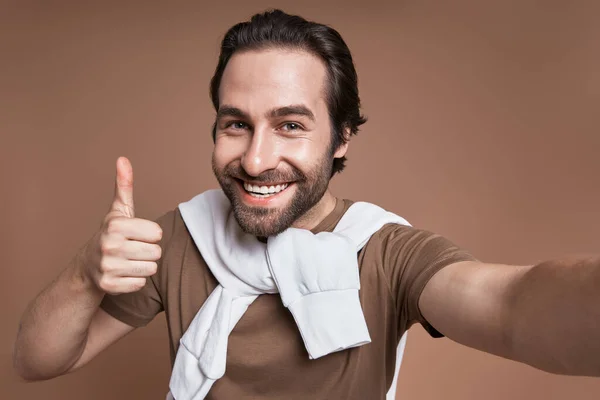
263,191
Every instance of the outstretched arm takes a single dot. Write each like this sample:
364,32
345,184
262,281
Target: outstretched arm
546,315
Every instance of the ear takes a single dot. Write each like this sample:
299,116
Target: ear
341,151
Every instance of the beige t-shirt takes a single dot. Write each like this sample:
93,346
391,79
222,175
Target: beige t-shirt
266,358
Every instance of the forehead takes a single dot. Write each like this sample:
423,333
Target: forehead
258,80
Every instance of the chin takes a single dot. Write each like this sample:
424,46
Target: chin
253,223
270,213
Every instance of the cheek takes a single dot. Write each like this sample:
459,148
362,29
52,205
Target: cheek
301,153
226,150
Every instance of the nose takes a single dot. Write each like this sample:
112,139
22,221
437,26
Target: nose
261,154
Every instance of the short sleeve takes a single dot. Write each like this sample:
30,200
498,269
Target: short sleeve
411,257
137,309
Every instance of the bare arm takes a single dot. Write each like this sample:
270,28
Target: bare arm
104,330
547,315
63,327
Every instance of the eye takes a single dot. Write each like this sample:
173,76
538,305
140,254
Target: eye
291,126
237,125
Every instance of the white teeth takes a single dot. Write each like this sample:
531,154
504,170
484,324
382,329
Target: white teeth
264,191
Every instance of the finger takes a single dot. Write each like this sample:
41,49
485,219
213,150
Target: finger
138,229
136,268
123,199
122,285
140,251
114,266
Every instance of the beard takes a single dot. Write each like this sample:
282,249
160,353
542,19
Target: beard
263,221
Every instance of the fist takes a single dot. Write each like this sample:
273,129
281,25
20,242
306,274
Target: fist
125,251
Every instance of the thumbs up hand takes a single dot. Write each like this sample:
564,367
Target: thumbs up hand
125,251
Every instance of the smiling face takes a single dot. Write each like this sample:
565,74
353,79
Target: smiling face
273,154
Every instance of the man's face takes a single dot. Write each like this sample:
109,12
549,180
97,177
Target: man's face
272,154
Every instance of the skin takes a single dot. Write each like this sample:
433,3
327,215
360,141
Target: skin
510,311
272,128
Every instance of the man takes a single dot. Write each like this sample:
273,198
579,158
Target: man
286,98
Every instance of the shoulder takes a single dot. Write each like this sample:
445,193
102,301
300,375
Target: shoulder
399,234
394,238
400,246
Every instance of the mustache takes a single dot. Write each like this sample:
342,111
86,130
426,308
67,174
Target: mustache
272,175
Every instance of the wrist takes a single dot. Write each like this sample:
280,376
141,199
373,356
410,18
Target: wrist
82,279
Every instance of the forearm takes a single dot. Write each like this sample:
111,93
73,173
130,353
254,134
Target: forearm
53,330
555,317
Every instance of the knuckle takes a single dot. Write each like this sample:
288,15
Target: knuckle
104,265
111,225
107,246
114,225
105,284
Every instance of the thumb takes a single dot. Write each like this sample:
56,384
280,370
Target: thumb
123,201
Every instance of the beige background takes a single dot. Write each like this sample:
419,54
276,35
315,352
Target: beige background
484,127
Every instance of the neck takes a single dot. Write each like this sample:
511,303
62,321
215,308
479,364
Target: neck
315,215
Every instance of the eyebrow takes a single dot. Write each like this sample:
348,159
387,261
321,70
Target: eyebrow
296,109
229,111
